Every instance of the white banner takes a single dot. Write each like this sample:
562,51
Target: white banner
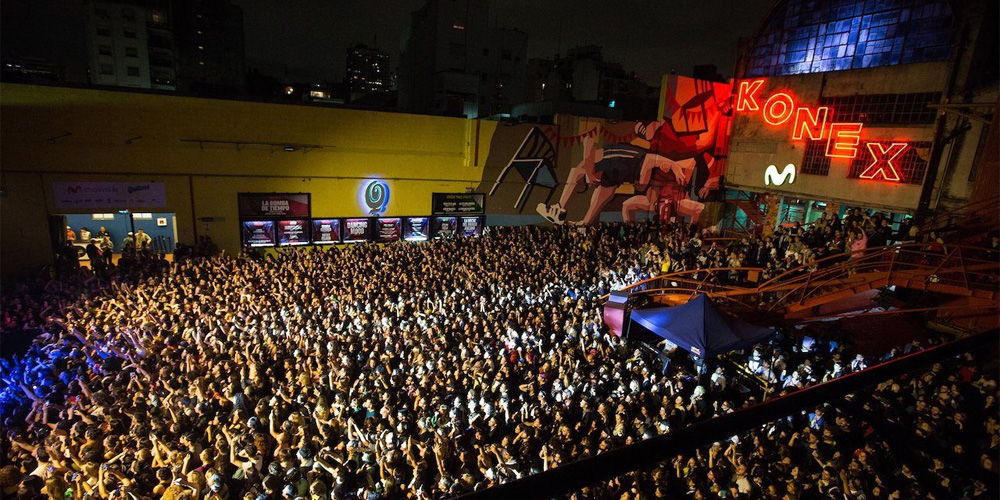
117,195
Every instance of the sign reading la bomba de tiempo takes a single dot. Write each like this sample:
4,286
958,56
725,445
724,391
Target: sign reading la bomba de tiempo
117,195
458,203
274,205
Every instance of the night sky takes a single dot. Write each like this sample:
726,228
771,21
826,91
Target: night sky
651,37
309,37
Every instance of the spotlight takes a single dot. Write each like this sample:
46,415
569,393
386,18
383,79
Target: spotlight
289,149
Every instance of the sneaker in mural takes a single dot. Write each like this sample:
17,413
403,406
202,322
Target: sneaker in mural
552,213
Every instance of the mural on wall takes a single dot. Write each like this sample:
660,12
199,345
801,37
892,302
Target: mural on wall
669,167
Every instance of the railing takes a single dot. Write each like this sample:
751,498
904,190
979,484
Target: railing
951,269
573,476
954,269
987,210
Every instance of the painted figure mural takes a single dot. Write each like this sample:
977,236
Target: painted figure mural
669,167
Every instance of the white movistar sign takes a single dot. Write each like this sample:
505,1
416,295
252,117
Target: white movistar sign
772,176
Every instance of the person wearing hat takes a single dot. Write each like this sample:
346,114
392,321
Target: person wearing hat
128,243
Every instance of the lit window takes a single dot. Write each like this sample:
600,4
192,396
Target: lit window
317,93
458,26
201,47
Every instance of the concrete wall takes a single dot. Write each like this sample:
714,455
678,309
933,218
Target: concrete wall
415,155
755,144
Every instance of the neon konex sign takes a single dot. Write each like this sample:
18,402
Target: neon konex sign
843,140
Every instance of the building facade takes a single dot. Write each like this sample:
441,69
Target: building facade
582,82
209,44
454,63
130,45
861,104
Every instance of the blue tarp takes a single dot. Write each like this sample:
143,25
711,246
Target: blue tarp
700,328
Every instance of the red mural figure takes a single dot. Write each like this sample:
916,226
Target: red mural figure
666,163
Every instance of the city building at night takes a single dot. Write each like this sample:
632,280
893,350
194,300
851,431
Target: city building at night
209,46
368,71
130,44
583,83
455,63
860,104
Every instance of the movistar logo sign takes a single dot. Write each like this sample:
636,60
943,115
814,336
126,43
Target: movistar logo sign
772,176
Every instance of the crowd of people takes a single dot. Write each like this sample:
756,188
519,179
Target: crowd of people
420,370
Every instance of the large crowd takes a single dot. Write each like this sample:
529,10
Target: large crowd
425,370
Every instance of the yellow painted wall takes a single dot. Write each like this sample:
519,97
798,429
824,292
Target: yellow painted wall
416,155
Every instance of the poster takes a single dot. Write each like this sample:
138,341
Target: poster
258,233
254,205
293,232
325,231
357,230
416,229
471,226
445,227
457,203
117,195
389,228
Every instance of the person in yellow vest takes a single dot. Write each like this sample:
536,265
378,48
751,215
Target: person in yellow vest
665,263
142,240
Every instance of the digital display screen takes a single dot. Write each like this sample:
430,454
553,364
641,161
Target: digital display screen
357,230
258,233
293,232
445,227
325,231
389,228
471,226
416,229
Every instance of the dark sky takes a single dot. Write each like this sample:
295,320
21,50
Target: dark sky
651,37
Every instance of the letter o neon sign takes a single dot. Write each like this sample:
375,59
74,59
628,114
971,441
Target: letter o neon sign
780,101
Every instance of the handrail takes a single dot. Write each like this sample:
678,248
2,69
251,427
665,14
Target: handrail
573,476
942,220
909,261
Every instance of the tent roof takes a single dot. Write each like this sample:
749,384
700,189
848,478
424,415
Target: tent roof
700,328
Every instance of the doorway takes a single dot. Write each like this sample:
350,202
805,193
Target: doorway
81,229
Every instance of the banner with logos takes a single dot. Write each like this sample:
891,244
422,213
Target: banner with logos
117,195
254,205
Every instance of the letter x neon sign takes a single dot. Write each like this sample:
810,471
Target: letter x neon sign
882,164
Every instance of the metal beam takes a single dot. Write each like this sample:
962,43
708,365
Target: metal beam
644,454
